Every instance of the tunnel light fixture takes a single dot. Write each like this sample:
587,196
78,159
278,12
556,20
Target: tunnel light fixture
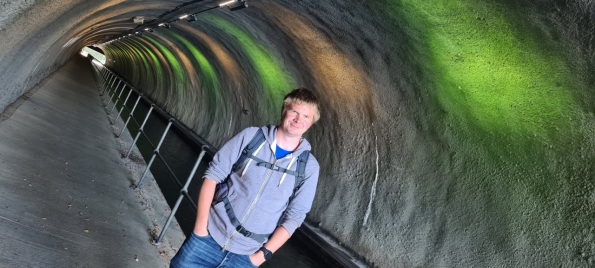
228,3
138,19
238,6
233,5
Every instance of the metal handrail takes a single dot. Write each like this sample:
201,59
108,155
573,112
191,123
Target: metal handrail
108,90
130,115
183,193
108,79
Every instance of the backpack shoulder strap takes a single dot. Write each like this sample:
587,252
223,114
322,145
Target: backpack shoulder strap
301,172
256,141
300,178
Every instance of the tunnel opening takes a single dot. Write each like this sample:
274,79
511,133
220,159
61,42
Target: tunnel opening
96,52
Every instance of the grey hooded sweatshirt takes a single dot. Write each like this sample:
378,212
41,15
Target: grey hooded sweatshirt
259,196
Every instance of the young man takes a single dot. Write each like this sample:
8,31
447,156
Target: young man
256,207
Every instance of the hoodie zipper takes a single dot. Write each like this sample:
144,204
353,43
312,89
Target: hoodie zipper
251,206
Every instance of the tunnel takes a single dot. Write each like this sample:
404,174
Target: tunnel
452,133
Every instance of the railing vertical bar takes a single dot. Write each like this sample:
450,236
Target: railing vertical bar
109,89
181,197
117,99
171,120
113,90
104,74
112,82
123,106
140,130
106,77
130,115
105,83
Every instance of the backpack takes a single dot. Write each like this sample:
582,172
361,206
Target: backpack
222,189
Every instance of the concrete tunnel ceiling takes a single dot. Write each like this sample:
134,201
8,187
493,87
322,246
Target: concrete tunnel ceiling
453,133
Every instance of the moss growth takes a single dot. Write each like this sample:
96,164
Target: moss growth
490,74
510,114
172,61
275,81
210,81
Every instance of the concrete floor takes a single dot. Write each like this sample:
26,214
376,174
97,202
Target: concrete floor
65,192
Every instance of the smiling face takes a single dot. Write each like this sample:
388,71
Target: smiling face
297,119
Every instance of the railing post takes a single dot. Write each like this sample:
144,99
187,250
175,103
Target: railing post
111,82
103,74
171,120
113,89
109,89
183,192
106,76
118,98
123,106
104,81
140,130
130,115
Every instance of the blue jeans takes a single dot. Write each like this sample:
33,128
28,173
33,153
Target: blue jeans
203,251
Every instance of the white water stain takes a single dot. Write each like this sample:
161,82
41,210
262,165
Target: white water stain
373,191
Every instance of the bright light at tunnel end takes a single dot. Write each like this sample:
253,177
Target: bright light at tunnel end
100,58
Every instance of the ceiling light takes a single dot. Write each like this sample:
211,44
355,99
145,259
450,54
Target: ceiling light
227,3
238,6
138,19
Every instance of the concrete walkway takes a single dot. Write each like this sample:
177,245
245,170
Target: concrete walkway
65,192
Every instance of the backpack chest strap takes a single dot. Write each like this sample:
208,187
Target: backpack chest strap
271,166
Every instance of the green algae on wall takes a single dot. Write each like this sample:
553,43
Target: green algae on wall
210,82
517,136
276,82
178,72
151,63
490,73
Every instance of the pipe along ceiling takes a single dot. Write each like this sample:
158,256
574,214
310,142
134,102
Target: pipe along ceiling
453,133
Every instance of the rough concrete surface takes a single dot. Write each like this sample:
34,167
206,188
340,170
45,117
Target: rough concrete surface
453,133
66,192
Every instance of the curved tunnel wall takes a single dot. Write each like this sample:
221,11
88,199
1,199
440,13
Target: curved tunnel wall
453,133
